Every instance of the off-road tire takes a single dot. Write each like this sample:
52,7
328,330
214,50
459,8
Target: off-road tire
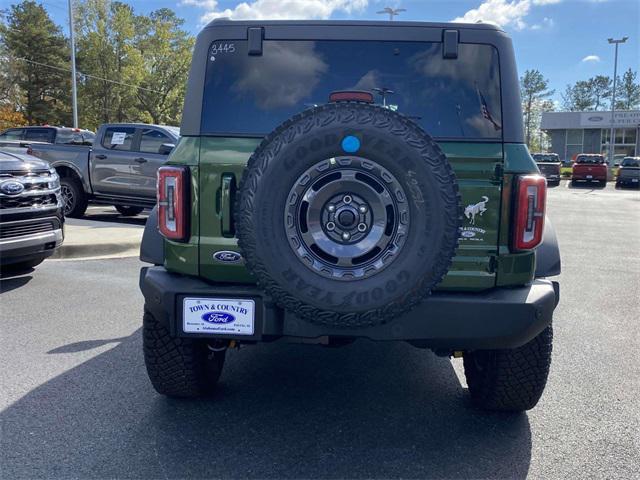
179,367
79,197
421,169
128,211
510,380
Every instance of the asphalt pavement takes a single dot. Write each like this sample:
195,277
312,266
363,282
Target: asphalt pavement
76,403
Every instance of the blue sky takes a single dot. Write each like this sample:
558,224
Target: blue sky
565,40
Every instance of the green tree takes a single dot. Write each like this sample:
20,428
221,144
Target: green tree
600,90
578,97
108,61
165,50
38,64
534,88
628,91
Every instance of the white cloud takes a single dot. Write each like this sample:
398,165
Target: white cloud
591,58
507,13
499,12
546,23
278,9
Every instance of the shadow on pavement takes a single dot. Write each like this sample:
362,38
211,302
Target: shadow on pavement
85,345
282,411
10,281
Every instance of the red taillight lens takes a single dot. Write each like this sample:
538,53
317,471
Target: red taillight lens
531,199
173,202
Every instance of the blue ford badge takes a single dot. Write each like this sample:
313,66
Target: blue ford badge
227,256
218,317
11,187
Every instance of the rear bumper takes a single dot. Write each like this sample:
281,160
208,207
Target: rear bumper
628,181
595,177
499,318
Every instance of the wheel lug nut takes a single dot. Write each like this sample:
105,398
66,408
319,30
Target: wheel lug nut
330,226
362,209
347,199
331,208
362,227
346,236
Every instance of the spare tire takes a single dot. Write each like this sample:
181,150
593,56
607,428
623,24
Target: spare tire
348,214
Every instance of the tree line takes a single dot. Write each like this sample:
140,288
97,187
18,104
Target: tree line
130,67
133,68
593,94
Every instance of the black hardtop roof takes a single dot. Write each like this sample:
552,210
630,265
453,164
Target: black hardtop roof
225,21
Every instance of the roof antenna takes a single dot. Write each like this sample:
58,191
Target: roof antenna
392,12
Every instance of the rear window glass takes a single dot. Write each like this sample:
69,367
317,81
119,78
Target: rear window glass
631,162
118,138
151,140
449,98
590,159
69,137
546,158
39,134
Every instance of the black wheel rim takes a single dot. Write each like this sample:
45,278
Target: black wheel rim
347,218
68,199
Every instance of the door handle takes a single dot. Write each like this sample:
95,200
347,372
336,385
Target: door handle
140,160
101,157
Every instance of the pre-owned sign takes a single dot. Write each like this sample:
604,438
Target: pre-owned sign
603,119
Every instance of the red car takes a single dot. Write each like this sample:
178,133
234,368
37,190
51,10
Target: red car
589,167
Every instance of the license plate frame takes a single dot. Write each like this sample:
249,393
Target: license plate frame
218,316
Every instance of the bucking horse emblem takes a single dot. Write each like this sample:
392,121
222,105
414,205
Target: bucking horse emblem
476,209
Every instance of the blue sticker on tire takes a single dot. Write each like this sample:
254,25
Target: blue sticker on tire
350,144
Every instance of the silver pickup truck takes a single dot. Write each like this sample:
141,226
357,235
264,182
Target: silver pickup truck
118,169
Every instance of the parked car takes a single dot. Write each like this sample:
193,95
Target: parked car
549,165
629,172
48,134
119,169
589,167
31,218
352,218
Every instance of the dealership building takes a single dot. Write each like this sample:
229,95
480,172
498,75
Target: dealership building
571,133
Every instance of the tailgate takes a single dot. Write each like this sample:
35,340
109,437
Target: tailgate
477,167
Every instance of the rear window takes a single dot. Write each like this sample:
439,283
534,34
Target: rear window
449,98
590,159
12,134
118,138
40,134
70,137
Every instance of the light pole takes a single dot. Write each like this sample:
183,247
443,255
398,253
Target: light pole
392,12
74,92
612,137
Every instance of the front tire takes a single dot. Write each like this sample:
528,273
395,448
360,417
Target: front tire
73,197
179,367
128,211
510,380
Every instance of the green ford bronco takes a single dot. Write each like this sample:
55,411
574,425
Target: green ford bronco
345,180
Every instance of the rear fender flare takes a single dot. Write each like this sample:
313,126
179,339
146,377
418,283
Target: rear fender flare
548,253
152,246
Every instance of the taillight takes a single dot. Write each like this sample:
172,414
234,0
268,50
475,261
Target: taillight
173,202
531,198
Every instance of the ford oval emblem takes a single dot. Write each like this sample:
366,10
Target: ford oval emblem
11,187
468,234
595,119
227,256
218,317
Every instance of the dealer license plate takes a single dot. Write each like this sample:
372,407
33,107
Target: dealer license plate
589,176
230,316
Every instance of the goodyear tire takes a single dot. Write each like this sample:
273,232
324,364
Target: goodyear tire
510,380
348,214
179,367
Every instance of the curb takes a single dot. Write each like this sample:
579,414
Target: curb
95,250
